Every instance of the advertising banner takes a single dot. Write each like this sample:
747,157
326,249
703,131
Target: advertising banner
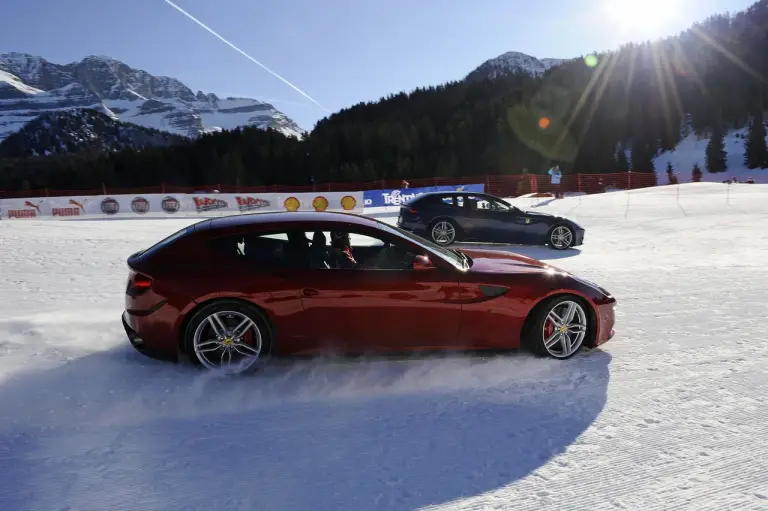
165,205
228,203
396,197
349,202
91,206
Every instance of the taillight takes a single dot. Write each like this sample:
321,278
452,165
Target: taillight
412,211
142,281
138,284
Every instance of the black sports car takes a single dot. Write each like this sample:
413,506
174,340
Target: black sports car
446,217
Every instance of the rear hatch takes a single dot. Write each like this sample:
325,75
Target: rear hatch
409,213
140,295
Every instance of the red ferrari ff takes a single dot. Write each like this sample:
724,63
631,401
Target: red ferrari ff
230,291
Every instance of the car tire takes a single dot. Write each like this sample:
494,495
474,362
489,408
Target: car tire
446,226
543,332
241,350
561,237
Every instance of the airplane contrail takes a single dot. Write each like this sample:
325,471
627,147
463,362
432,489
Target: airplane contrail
185,13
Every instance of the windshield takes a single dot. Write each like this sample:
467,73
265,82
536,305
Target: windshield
451,257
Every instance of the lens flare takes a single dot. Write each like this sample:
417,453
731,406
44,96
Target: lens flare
544,123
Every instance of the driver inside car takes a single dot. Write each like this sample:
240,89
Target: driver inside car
341,251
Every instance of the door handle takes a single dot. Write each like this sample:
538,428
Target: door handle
310,292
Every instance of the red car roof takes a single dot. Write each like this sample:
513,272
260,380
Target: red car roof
292,216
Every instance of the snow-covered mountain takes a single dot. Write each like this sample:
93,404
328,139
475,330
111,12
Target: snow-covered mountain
513,62
31,86
81,130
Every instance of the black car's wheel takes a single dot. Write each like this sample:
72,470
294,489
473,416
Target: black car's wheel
443,231
227,335
558,327
560,237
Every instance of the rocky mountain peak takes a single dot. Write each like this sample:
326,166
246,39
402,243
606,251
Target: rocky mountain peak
513,62
31,86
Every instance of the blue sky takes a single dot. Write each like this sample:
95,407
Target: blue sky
340,52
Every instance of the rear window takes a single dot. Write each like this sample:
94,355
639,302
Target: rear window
160,245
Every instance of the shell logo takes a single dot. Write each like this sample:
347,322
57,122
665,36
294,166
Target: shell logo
320,203
348,202
291,204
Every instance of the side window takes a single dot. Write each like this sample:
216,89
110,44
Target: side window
495,205
287,249
447,201
475,202
350,250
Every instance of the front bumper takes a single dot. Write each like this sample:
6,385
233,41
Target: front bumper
606,319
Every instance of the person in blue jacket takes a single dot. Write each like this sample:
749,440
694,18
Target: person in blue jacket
557,175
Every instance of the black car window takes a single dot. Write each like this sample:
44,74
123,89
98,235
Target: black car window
497,205
476,202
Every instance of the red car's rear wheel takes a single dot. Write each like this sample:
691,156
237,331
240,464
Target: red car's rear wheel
227,335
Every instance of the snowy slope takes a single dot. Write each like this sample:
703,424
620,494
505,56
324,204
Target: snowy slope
30,86
668,415
513,62
693,150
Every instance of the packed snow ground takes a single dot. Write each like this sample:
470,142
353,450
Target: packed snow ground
670,414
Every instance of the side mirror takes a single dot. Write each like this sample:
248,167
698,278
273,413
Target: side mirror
422,263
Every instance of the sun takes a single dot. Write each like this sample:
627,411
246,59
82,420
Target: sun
641,18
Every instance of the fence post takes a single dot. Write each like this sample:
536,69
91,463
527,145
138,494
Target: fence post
629,192
162,187
578,177
46,192
103,189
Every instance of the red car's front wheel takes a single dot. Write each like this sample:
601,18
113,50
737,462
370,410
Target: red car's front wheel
558,328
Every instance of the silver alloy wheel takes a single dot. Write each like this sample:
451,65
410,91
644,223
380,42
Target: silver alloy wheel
561,237
565,328
443,233
219,341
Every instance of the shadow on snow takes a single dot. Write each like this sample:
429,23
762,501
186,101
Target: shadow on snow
114,430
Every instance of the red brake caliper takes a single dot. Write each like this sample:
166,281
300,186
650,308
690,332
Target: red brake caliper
549,329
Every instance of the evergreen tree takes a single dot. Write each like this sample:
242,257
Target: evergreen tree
696,173
756,152
671,177
715,158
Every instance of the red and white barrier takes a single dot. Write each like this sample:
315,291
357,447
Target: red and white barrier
180,204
